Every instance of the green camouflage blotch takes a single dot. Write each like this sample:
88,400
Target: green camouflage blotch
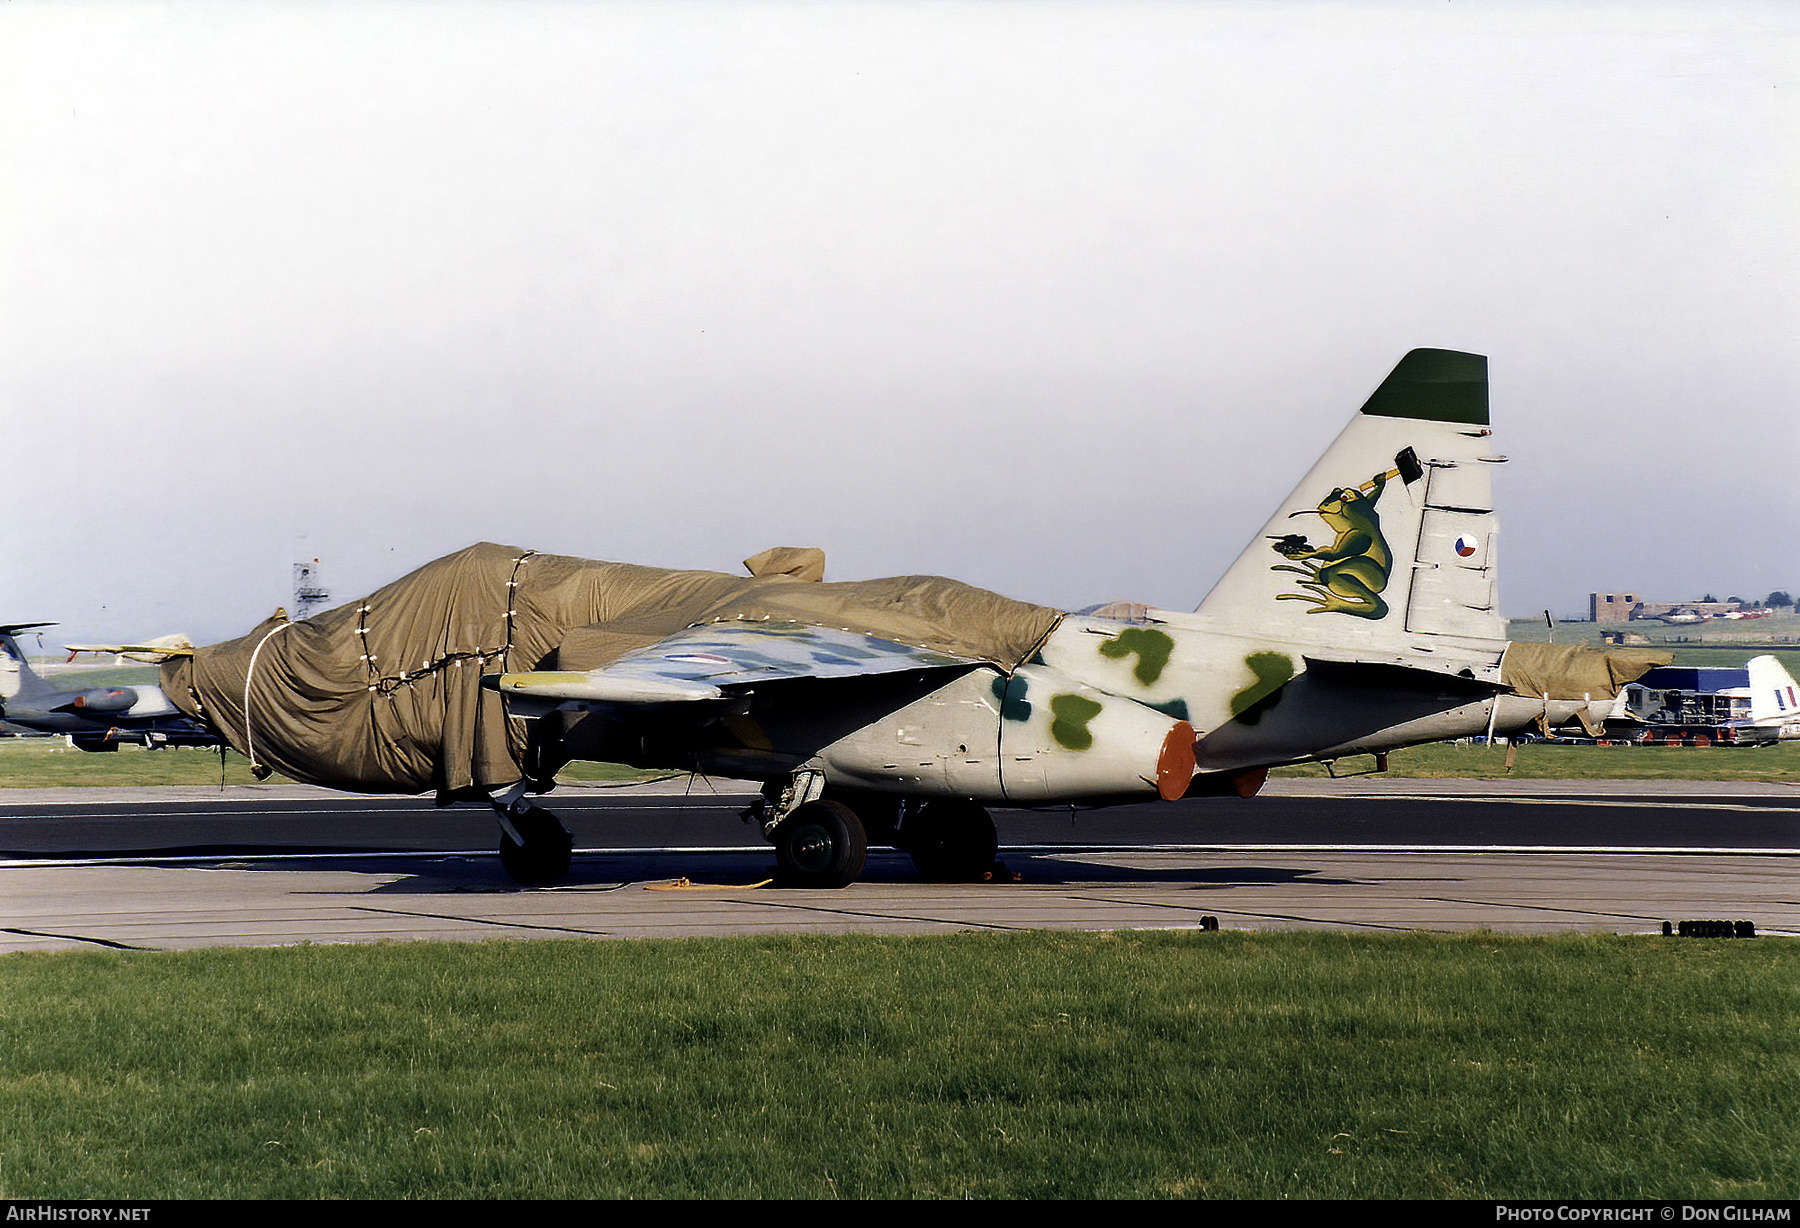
1272,670
1152,648
1009,693
1176,708
1072,714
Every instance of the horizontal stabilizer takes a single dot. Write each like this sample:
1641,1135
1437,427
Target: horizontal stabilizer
1575,671
15,628
597,687
1409,676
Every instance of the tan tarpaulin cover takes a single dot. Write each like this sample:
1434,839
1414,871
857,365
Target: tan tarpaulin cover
383,695
1573,671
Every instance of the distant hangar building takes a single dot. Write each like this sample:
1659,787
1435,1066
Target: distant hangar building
1612,607
1623,607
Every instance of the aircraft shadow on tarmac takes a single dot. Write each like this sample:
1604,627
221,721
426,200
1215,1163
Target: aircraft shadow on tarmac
730,871
1061,870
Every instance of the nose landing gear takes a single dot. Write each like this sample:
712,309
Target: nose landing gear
534,845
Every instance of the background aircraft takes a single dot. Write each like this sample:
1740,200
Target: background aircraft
1755,704
96,719
1363,618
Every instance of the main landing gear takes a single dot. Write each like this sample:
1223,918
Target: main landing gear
818,843
823,842
950,841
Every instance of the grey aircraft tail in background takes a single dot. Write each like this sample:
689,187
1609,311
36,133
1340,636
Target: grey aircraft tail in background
96,719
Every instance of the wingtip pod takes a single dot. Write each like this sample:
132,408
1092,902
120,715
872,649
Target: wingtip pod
1434,386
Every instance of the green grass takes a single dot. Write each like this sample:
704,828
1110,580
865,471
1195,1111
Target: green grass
1545,761
1720,642
50,763
1019,1065
1723,657
90,676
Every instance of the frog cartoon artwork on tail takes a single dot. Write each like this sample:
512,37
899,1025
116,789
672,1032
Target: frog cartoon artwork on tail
1347,576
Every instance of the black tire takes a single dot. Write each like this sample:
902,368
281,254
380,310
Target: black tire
951,842
545,855
880,815
821,844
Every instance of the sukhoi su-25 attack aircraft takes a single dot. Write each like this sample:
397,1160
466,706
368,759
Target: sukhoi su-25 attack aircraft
1362,618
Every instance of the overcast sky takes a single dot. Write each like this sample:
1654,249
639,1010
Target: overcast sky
1058,299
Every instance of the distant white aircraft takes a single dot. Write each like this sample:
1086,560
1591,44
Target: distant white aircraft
1756,703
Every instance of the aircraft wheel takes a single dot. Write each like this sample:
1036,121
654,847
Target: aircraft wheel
952,842
821,844
880,815
544,857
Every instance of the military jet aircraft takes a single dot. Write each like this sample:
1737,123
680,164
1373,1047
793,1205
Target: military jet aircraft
96,719
1361,619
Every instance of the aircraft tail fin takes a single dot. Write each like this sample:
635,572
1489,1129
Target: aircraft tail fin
17,678
1774,696
1386,549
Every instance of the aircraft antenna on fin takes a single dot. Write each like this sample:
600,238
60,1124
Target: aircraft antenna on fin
1434,386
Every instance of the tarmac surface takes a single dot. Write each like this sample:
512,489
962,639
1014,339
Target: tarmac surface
174,869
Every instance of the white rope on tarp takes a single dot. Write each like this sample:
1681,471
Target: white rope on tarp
479,656
249,673
388,685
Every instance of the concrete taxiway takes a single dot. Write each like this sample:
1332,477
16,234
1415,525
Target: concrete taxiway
218,898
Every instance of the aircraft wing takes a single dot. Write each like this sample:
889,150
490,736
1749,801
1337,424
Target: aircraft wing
150,652
713,661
